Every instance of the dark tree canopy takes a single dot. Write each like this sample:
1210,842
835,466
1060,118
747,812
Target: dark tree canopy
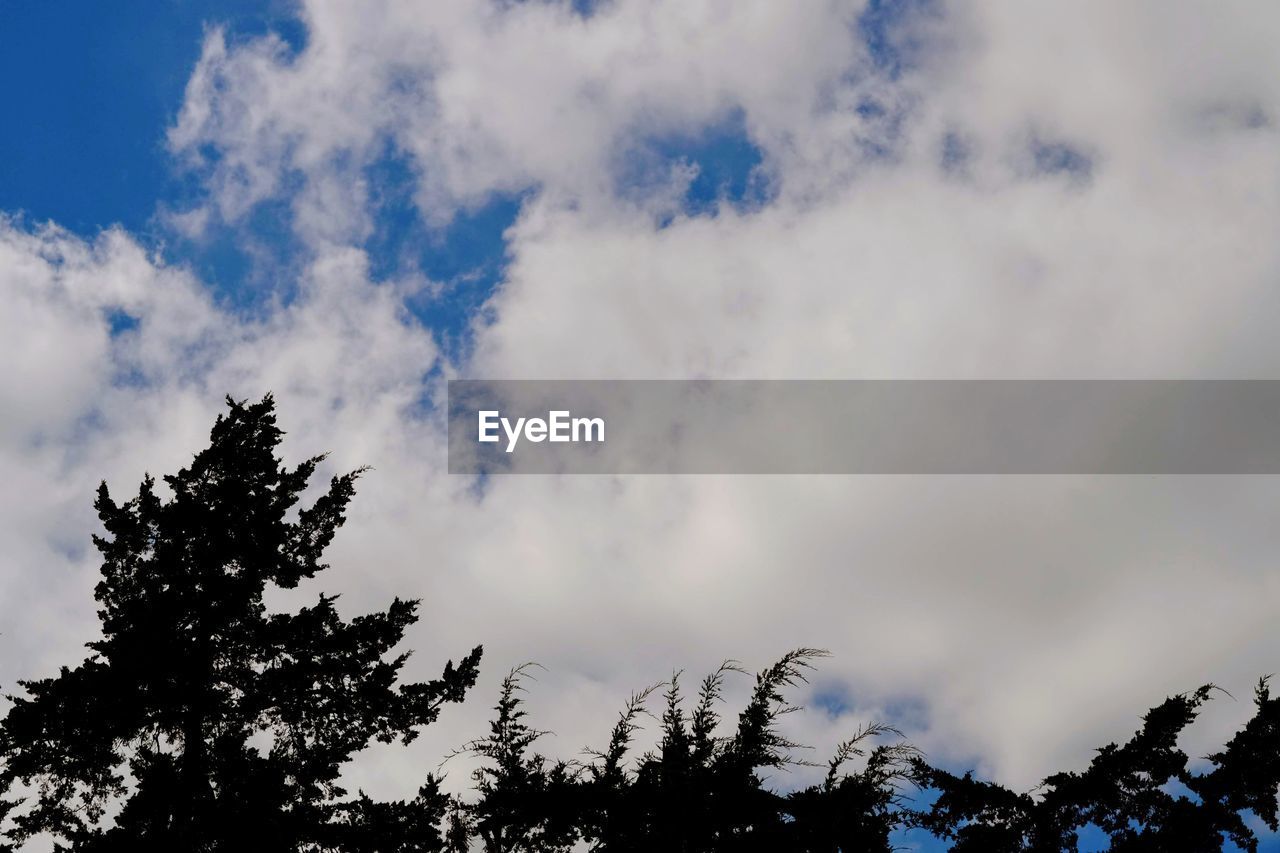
526,803
703,792
1145,795
697,792
201,721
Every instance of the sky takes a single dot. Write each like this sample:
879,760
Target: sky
346,204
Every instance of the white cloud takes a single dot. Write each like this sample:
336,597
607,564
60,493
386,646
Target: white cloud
1035,618
498,97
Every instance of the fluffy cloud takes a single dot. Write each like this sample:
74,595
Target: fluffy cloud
119,363
487,97
1087,191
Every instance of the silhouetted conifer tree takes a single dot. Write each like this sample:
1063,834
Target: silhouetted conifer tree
1144,795
526,803
201,721
697,792
858,810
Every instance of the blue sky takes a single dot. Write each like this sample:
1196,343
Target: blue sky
101,84
93,87
87,150
900,204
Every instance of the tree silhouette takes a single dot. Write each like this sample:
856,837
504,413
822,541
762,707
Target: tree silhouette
702,792
201,721
697,792
1144,795
526,803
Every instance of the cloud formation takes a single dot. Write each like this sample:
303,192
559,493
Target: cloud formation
997,190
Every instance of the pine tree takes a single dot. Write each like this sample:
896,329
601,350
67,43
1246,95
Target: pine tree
526,802
201,721
1144,795
698,792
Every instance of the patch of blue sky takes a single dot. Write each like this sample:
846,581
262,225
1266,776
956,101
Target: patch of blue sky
917,839
250,265
91,89
120,321
399,232
884,28
1268,841
1061,159
888,30
905,713
718,164
831,699
883,124
955,153
465,260
729,166
582,8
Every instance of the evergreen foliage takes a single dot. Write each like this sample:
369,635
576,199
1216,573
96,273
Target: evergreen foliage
201,721
697,791
1145,795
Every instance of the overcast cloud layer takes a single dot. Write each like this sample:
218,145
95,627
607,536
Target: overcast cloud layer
991,190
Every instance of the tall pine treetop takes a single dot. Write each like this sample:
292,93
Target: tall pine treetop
201,721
